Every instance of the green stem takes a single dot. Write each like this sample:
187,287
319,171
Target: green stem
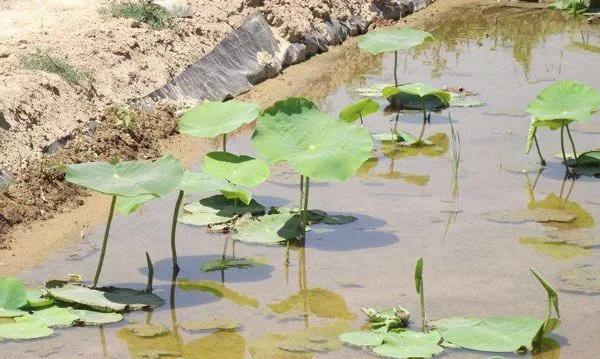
562,144
305,212
396,123
301,196
423,318
224,142
361,119
174,231
424,119
150,274
105,241
572,145
396,68
537,146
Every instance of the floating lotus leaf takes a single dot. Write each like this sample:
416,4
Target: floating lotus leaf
393,39
211,119
78,294
240,170
359,109
314,144
269,229
226,263
409,344
588,164
422,91
217,209
25,330
582,279
147,330
218,290
51,317
495,334
37,299
12,297
88,317
202,183
556,250
457,100
434,146
215,324
322,303
131,178
133,299
565,100
362,339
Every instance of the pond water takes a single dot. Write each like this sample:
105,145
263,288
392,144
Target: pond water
407,207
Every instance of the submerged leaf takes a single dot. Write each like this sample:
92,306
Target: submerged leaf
494,334
211,119
393,39
359,109
240,170
314,144
269,229
582,219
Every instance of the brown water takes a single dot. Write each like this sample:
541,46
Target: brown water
406,209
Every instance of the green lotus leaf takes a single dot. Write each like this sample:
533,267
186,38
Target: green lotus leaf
409,344
269,229
218,290
37,299
387,319
496,334
565,100
133,299
12,297
240,170
362,339
51,317
202,183
131,178
359,109
393,39
211,119
88,317
314,144
78,294
25,330
217,209
420,90
552,295
226,263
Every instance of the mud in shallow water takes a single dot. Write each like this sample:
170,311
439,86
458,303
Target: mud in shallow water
405,207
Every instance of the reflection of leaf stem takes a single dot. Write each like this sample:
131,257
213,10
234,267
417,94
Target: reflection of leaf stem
105,240
103,342
174,230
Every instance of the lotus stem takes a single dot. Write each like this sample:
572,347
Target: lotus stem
305,213
422,303
224,142
537,147
562,144
396,123
174,231
572,145
362,124
396,68
111,214
424,119
301,196
150,274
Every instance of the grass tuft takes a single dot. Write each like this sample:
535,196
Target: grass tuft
143,11
43,61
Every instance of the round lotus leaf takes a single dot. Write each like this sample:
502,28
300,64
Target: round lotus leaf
78,294
211,119
217,209
25,330
314,144
565,100
362,339
88,317
393,39
51,317
130,178
269,229
133,299
12,297
409,344
359,109
240,170
497,334
416,95
37,299
201,183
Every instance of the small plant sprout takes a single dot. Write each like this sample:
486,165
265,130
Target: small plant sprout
211,119
393,39
557,106
134,181
421,292
358,110
315,145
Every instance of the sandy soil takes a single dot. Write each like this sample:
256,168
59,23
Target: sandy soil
67,215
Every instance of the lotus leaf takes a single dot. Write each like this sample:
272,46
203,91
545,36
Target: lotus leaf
387,319
363,339
409,344
314,144
269,229
358,110
88,317
565,100
133,299
25,330
240,170
78,294
217,209
494,334
131,178
201,183
393,39
226,263
37,299
211,119
420,90
12,297
218,290
52,317
552,295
